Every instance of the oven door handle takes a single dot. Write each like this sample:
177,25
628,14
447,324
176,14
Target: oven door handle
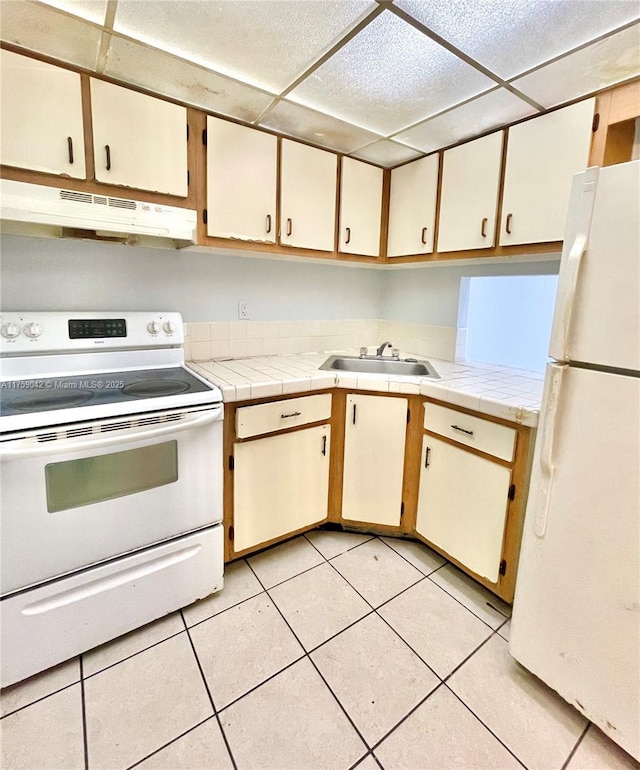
7,452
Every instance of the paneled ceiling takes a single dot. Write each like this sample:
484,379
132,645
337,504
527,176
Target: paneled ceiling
382,80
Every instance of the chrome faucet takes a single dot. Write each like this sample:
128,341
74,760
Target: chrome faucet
381,349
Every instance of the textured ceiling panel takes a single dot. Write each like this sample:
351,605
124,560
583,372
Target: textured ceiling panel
267,43
164,74
601,64
42,29
92,10
389,76
511,36
386,153
495,109
316,127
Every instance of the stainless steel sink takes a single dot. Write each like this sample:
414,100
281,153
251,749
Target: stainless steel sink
380,365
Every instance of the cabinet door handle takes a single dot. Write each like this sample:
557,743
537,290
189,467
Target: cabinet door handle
426,457
107,150
508,223
70,149
324,445
292,414
289,227
483,227
354,414
463,430
424,236
348,238
268,223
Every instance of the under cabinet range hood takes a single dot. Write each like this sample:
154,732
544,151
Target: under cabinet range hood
53,211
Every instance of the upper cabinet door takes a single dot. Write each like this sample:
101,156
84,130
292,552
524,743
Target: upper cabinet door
138,141
469,194
360,208
412,207
308,196
42,126
542,156
241,181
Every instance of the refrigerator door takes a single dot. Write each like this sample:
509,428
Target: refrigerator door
576,613
596,315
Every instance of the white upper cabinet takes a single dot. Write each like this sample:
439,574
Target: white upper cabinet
542,156
138,141
307,196
469,194
412,207
241,181
360,208
42,127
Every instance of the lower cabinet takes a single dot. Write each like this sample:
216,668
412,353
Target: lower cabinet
280,485
462,505
374,443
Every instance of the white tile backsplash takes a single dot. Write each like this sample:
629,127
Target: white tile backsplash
242,339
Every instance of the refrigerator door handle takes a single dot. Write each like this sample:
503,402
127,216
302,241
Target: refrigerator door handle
568,279
551,413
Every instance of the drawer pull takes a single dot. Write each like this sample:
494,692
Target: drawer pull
289,227
463,430
508,223
426,457
107,150
292,414
324,445
354,414
70,149
348,238
483,227
424,236
268,223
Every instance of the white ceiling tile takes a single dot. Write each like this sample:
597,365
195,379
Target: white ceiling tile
492,110
162,73
511,36
600,65
45,30
316,127
92,10
389,76
265,43
386,153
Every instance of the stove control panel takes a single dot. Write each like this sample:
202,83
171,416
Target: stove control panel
33,333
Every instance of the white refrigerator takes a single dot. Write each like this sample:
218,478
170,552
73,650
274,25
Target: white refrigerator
576,612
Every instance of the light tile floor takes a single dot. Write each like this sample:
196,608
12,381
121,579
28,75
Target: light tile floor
333,650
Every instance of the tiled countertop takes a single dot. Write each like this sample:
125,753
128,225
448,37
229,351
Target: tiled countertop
512,394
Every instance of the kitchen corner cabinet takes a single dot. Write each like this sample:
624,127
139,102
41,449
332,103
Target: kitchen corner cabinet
308,186
412,207
42,125
374,448
464,496
542,157
469,194
241,182
138,141
360,208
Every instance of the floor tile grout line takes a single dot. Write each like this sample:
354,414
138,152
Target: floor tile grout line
206,685
470,655
465,606
484,724
575,748
169,743
85,739
340,532
402,556
310,659
37,700
360,760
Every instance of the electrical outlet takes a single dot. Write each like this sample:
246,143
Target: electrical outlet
243,309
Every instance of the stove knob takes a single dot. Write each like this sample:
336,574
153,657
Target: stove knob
169,327
153,327
10,330
33,330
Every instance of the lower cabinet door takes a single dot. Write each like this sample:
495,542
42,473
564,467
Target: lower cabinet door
462,505
375,434
280,484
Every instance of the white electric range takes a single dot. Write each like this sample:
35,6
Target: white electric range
111,472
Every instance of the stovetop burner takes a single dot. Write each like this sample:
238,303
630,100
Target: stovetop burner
151,388
42,401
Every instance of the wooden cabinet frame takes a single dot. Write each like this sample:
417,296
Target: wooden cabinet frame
616,110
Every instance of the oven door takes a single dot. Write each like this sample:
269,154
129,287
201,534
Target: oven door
76,495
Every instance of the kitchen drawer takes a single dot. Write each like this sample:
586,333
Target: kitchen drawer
278,415
489,437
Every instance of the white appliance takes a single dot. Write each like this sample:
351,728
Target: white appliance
111,482
576,613
32,204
